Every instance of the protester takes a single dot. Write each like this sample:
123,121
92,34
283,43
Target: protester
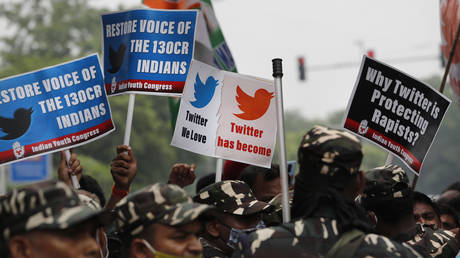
182,174
47,219
204,181
265,183
91,195
123,169
92,201
451,196
87,182
161,221
426,211
237,211
327,221
388,195
449,217
91,185
68,169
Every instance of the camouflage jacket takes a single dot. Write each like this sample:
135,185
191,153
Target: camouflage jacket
314,237
210,251
436,243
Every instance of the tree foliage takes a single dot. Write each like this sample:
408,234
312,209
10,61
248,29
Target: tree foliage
42,33
46,32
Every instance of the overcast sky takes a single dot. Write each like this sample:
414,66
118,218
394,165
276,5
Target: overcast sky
325,32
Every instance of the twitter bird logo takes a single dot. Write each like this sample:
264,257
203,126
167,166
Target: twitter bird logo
253,107
116,58
17,126
204,92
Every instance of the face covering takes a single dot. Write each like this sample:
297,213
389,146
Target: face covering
165,255
235,234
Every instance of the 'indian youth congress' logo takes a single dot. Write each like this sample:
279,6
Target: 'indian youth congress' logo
253,107
204,91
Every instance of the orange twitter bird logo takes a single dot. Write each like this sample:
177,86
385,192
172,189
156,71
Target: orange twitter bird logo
253,107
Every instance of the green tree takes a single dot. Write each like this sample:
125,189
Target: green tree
48,32
43,33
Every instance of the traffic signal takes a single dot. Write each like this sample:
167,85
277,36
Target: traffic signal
302,69
370,53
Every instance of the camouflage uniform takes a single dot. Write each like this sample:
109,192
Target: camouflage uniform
232,197
45,205
158,203
389,183
333,153
386,183
275,217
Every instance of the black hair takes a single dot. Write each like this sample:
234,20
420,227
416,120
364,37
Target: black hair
205,181
90,184
250,173
446,209
455,186
390,210
419,197
125,241
452,201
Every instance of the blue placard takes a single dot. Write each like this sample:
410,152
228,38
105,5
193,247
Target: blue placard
31,170
52,109
148,51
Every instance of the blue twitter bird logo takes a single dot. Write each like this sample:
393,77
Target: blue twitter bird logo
204,92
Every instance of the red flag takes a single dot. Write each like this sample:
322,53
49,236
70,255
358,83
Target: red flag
172,4
449,24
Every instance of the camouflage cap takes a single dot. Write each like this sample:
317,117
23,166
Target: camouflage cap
386,183
436,243
333,149
232,196
45,205
162,203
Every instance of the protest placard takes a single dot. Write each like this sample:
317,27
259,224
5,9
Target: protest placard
148,51
395,111
227,115
247,123
197,119
211,37
53,108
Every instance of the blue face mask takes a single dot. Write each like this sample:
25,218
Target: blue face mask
235,234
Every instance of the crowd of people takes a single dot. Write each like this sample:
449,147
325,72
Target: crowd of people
337,210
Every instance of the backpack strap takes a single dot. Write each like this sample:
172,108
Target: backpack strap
345,247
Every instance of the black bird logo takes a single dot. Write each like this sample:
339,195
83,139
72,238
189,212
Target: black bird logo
116,58
17,126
